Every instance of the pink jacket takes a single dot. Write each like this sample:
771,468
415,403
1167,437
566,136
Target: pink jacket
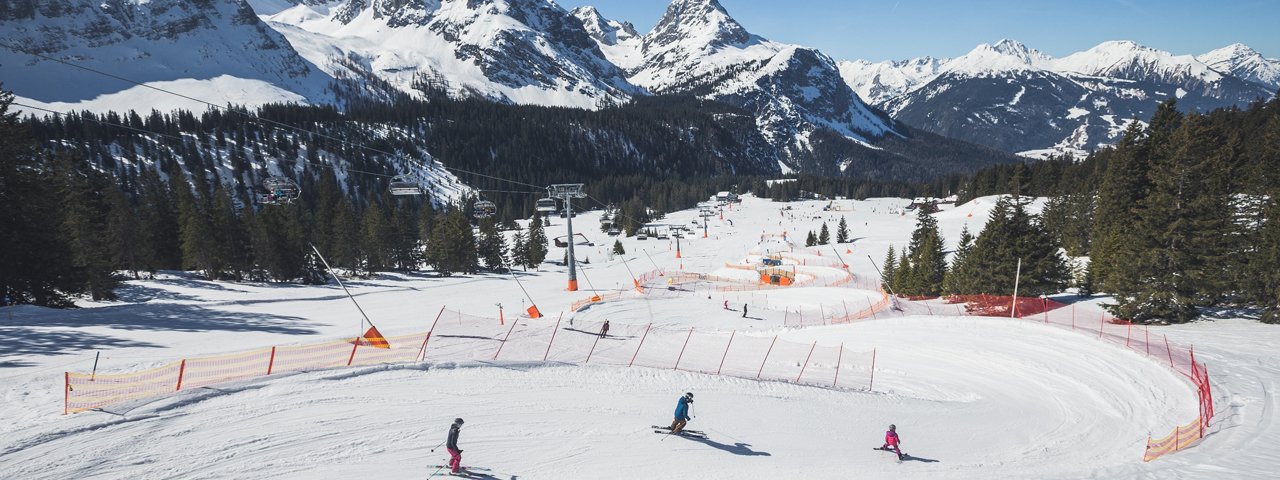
891,437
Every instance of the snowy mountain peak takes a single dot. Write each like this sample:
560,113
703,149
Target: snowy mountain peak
603,30
1004,56
1244,62
1130,60
699,21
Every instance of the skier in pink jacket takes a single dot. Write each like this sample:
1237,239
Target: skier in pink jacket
891,440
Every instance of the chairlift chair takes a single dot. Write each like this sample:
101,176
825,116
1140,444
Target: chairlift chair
280,190
485,209
405,185
546,205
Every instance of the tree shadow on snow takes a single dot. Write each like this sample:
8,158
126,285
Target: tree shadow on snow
166,317
17,341
738,448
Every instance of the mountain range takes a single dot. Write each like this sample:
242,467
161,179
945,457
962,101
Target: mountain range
1015,98
815,114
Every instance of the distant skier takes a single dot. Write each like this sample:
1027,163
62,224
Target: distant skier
744,310
455,453
891,440
682,413
726,304
604,329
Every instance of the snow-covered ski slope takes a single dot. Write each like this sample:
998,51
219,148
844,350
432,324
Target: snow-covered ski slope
972,397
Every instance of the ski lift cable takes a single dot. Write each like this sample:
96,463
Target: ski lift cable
256,117
173,137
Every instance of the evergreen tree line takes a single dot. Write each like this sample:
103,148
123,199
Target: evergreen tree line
1180,217
1013,247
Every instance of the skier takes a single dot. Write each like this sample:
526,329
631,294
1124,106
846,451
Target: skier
455,453
682,412
726,304
744,310
891,439
604,329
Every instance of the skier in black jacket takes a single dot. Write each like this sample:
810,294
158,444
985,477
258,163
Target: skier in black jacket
455,453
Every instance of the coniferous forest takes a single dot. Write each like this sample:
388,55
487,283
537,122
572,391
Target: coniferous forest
1179,219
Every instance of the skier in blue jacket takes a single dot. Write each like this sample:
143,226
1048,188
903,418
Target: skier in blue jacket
682,413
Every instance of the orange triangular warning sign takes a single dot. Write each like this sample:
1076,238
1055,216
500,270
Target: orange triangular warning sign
373,338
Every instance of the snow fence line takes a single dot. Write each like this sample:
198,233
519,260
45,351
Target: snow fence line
1123,333
455,336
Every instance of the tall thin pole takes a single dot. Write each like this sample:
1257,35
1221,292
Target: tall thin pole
1013,311
344,289
573,262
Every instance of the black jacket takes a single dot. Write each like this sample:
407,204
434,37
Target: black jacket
453,437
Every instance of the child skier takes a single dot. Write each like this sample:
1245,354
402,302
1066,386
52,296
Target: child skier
455,453
604,329
891,440
682,412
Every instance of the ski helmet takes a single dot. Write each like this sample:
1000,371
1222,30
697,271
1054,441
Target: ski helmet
688,395
891,426
457,421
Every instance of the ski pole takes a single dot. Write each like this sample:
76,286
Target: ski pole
433,449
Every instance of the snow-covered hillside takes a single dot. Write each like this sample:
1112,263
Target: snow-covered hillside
1009,96
1244,62
216,50
520,51
972,397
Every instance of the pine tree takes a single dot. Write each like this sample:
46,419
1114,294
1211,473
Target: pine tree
824,235
890,269
200,249
617,248
537,242
84,226
492,245
842,231
928,261
901,273
1124,185
519,249
1186,219
811,239
959,280
125,235
1011,234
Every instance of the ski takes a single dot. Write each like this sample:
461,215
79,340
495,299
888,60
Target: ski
685,433
902,457
478,469
659,427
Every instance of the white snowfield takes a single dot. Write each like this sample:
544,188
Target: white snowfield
972,397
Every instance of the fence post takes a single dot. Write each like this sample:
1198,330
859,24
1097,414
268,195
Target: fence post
1146,331
871,307
422,351
766,357
1177,438
1168,350
271,363
726,351
354,345
553,333
504,338
806,361
182,369
1073,317
1046,309
839,357
1102,323
873,371
686,344
66,392
642,337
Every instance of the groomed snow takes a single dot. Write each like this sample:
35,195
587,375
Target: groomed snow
972,397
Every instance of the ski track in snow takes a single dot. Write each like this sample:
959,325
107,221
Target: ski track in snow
972,397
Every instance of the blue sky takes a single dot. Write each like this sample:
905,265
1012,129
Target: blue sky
894,30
